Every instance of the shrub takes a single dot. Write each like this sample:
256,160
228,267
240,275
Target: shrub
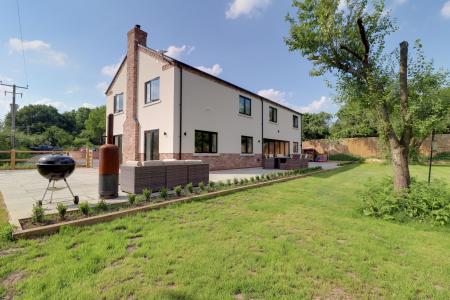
212,185
178,190
85,208
442,156
101,205
147,193
139,199
345,157
62,210
242,181
257,178
38,213
221,184
235,181
423,202
190,187
201,185
228,181
131,198
280,174
252,179
163,193
6,232
245,180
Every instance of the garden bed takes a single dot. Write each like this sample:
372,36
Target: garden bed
52,222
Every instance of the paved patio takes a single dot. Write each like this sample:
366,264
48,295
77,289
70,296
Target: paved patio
22,188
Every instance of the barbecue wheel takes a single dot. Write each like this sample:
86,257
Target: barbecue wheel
76,199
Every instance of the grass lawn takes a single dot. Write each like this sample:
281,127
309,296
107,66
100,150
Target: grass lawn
300,239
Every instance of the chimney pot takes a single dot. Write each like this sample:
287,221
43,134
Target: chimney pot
138,26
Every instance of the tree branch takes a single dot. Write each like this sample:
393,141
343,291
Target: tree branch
365,41
356,55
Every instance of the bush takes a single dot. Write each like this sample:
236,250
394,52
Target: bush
6,232
423,202
38,213
442,156
228,181
101,205
242,181
62,210
147,193
221,184
252,179
163,193
178,190
201,185
257,178
131,198
212,184
190,187
345,157
235,181
85,208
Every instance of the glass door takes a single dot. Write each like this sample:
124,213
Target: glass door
151,145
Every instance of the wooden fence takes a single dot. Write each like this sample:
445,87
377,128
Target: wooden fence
370,146
18,159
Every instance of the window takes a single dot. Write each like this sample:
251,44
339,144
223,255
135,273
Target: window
152,90
118,103
245,106
151,144
205,142
117,140
246,144
272,114
274,148
295,147
295,121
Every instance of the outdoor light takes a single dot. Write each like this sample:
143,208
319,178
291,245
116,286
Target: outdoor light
185,133
165,133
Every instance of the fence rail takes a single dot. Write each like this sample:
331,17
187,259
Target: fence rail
13,160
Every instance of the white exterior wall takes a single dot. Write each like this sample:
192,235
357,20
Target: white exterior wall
160,114
119,86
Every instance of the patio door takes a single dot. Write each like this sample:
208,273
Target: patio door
151,145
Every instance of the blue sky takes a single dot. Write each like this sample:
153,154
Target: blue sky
72,47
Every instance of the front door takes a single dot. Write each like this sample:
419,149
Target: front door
151,142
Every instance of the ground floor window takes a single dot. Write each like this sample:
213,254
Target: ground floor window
295,147
151,144
205,141
117,140
246,144
274,148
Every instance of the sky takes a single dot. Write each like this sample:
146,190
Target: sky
71,49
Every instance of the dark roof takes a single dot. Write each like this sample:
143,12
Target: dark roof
205,74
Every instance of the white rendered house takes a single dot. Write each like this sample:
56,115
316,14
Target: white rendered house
166,109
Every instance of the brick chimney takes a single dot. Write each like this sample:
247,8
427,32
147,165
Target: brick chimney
131,127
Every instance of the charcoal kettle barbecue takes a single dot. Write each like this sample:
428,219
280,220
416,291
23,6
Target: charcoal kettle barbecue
56,167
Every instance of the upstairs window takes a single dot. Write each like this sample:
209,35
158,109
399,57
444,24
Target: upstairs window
245,106
246,144
152,90
295,121
273,114
118,103
205,141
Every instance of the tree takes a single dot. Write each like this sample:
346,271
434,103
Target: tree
56,136
316,126
350,43
95,125
35,118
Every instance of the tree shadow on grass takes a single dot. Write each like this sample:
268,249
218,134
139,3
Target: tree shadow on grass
337,171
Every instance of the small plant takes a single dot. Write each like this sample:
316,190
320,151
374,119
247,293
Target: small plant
101,205
252,179
235,181
140,199
212,185
257,178
131,198
62,210
228,181
280,174
201,185
85,208
262,177
147,193
163,193
38,213
6,233
221,184
242,181
190,187
245,180
178,190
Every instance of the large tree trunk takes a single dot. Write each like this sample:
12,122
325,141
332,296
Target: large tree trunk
400,163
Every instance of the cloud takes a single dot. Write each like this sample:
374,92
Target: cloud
72,90
102,86
322,104
274,95
88,105
177,52
40,47
111,70
215,70
445,10
247,8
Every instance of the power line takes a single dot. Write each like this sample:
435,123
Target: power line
21,42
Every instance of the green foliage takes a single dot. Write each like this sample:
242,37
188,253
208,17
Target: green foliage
101,205
201,185
221,184
442,156
344,157
147,193
229,182
163,193
38,215
235,181
62,210
211,185
252,179
423,202
316,126
95,125
353,120
131,198
36,118
190,187
56,136
178,190
257,178
84,208
242,181
6,232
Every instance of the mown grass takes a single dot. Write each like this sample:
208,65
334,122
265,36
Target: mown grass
300,239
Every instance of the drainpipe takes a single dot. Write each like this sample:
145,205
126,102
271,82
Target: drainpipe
262,132
181,112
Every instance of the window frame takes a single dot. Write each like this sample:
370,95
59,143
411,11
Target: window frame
148,91
246,100
295,121
210,141
295,147
247,139
115,103
273,112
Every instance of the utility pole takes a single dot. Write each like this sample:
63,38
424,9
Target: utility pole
13,109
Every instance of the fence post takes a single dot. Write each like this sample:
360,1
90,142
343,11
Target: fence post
87,157
13,159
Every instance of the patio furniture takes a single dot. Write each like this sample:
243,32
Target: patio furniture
291,164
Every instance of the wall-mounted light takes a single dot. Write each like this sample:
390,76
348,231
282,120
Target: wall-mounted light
185,133
278,130
259,141
165,133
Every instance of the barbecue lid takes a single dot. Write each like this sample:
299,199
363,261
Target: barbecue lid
56,159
